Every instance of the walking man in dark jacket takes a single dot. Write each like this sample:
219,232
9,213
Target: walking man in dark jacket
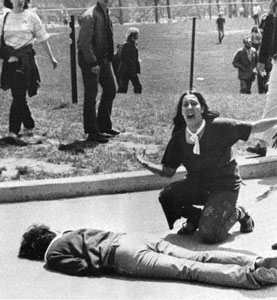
95,54
245,60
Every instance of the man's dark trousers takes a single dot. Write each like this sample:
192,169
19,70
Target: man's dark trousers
101,122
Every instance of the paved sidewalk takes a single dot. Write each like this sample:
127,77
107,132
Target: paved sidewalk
23,279
18,191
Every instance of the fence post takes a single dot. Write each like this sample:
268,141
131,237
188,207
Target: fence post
73,60
156,2
192,54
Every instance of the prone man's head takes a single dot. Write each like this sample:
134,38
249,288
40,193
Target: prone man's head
35,241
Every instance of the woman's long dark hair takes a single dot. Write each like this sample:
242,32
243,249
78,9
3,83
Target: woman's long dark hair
8,4
179,121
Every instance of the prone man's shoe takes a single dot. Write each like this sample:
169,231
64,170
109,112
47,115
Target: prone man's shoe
246,223
257,149
265,276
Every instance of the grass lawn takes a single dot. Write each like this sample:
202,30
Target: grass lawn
144,120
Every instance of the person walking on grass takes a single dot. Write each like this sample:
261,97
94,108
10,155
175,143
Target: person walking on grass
245,60
129,65
95,54
20,29
202,142
220,21
256,37
268,51
94,252
256,14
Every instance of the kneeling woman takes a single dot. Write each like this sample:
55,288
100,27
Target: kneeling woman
201,142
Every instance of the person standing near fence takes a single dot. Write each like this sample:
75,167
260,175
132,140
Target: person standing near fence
245,60
129,65
95,54
256,14
268,50
256,37
21,28
220,21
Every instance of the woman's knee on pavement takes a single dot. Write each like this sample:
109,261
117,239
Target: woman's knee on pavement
211,229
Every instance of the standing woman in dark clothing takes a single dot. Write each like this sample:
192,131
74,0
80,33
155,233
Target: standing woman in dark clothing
202,142
21,28
129,66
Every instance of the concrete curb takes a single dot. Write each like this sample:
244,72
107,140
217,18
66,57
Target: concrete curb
49,189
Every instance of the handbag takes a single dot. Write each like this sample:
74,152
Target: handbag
2,41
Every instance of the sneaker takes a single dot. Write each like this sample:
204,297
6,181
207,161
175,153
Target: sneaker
258,149
97,138
246,223
265,276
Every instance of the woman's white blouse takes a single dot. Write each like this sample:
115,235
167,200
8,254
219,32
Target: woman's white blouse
23,29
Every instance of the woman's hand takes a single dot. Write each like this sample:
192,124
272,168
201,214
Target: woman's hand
139,157
160,170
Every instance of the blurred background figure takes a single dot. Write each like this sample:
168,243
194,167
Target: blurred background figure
129,65
220,21
245,60
256,37
241,11
256,14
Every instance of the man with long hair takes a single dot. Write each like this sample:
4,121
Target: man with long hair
94,252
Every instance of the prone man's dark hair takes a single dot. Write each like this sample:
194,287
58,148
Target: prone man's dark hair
35,242
8,4
179,121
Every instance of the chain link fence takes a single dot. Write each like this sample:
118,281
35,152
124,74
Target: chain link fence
154,14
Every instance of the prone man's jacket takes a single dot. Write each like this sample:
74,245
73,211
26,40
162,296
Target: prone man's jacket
269,40
81,252
95,41
244,65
